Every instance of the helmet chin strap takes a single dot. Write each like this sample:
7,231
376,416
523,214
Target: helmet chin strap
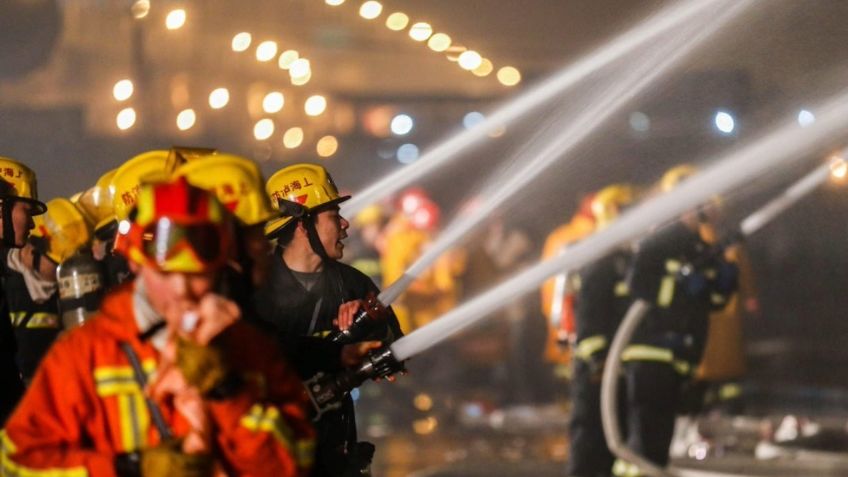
314,240
307,218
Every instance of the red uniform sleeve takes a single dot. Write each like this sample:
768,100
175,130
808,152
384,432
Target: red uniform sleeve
265,429
46,433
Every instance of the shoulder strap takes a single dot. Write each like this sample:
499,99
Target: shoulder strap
155,412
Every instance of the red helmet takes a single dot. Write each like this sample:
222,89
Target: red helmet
421,211
178,228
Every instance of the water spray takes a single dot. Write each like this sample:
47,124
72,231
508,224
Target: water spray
639,309
785,145
639,78
653,27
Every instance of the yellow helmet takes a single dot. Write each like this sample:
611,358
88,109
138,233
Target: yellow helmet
676,175
17,181
236,181
608,202
149,166
96,202
307,187
64,228
372,214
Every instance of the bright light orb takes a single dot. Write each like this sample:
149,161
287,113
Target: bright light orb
805,118
293,138
473,119
123,90
420,31
509,76
407,153
439,42
125,119
470,60
402,124
287,58
327,146
315,105
300,68
241,41
263,129
838,168
266,51
273,102
140,9
186,119
219,98
397,21
371,9
724,122
175,19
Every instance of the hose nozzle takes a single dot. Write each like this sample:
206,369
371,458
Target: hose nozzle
326,391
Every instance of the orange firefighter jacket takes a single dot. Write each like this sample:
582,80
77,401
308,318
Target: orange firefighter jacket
580,226
84,406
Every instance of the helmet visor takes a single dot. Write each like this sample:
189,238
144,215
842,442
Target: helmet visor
184,247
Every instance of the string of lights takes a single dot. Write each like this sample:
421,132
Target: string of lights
423,32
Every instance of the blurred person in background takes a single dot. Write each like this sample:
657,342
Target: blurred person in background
407,235
684,279
161,382
30,280
366,241
559,290
18,204
500,352
601,299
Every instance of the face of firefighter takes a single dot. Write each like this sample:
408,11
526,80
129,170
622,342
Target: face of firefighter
173,294
332,229
21,221
258,249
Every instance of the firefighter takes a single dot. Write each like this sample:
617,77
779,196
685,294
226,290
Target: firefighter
30,280
160,382
18,204
97,204
600,301
407,235
684,279
239,185
561,317
123,186
310,294
366,243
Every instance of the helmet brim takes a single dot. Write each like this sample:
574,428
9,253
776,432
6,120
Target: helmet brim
38,207
283,223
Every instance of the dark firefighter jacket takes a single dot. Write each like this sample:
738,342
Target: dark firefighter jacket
301,319
684,279
11,386
601,300
36,325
